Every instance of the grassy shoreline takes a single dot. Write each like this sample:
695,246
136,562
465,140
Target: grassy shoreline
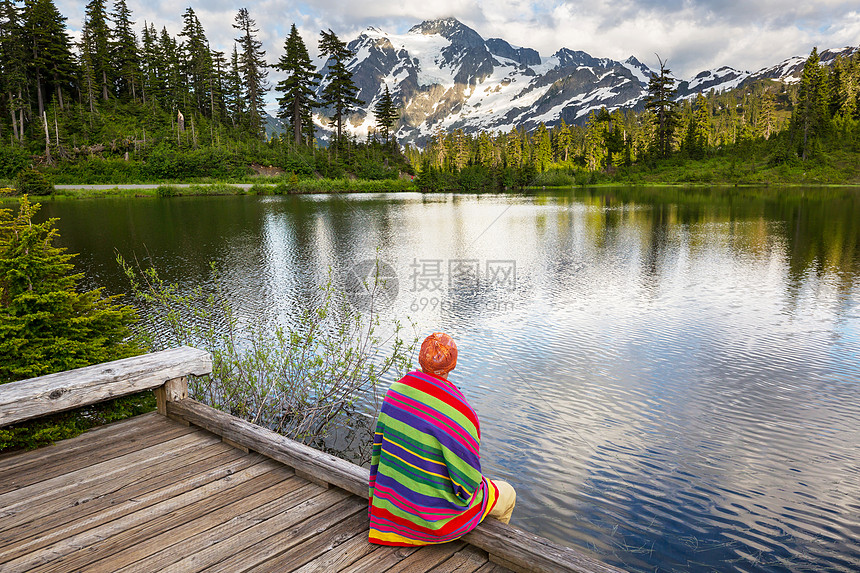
269,187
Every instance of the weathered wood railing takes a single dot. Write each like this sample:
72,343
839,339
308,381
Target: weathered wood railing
165,373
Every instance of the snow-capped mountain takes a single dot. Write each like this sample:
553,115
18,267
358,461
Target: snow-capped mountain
444,75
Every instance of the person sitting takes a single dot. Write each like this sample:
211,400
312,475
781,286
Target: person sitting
426,484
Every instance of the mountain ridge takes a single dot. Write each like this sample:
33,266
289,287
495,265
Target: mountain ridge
445,76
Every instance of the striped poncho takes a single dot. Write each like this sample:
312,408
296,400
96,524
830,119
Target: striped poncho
426,484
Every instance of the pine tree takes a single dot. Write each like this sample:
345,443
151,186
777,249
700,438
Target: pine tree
486,150
298,101
233,97
196,62
542,147
252,65
171,69
46,324
217,76
699,130
125,52
513,149
96,45
661,102
49,47
810,118
595,142
339,93
767,118
152,83
13,74
386,114
562,141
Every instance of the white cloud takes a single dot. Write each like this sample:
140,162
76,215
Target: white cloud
692,34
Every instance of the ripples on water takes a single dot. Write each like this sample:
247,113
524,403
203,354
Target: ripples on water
671,385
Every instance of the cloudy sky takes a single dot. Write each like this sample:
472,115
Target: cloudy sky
693,34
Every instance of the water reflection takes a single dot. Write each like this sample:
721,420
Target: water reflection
671,382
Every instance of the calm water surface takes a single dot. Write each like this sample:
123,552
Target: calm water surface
670,382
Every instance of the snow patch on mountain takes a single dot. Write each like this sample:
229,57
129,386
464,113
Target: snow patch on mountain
443,75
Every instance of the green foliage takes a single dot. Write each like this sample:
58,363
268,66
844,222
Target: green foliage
340,93
386,114
45,431
297,380
297,101
32,182
166,163
46,325
661,103
252,67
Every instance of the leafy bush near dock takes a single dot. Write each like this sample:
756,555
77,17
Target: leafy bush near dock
300,380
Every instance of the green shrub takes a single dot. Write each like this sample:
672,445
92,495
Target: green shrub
46,324
32,182
12,160
167,191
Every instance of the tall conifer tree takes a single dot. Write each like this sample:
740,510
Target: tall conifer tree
810,118
386,114
96,45
13,73
125,52
298,101
252,66
340,92
49,50
661,102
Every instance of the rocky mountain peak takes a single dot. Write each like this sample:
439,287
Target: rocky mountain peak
451,29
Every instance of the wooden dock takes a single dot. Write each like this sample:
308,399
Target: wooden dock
191,489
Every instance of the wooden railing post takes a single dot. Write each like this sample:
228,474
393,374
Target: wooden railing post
173,390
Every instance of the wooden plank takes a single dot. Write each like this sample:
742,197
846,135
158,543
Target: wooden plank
493,568
86,532
341,557
54,510
380,559
502,563
467,560
82,445
118,445
14,543
220,542
339,545
136,543
270,538
526,551
426,558
322,466
532,553
18,500
45,395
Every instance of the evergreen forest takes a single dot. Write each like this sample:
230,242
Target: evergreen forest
131,103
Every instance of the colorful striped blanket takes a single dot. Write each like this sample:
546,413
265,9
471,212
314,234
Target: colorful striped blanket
426,484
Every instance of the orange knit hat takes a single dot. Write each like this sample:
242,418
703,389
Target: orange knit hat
438,354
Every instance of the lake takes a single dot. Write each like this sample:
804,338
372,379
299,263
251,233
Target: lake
668,377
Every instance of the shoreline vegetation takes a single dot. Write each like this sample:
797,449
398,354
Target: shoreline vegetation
669,174
177,119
